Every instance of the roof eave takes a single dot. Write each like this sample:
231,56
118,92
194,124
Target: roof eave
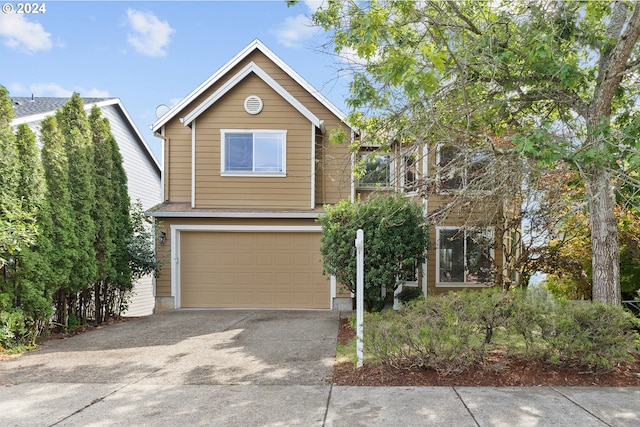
255,44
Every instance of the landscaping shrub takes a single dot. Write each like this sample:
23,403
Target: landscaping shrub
527,322
432,333
11,328
594,335
451,332
395,237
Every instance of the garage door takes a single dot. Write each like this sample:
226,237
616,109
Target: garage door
252,270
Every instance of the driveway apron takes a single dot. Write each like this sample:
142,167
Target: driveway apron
198,347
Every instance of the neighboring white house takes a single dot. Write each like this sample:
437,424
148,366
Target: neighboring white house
140,165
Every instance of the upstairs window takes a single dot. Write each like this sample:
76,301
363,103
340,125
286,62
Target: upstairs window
458,170
253,152
450,175
376,171
410,175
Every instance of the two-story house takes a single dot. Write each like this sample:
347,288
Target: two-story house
248,166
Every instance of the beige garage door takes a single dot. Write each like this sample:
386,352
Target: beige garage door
252,270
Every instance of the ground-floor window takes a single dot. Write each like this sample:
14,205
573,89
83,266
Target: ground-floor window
464,255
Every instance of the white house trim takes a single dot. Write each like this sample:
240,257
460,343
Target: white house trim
313,167
176,229
255,44
162,172
233,214
233,81
193,164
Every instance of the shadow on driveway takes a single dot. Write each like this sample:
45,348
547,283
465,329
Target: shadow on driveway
190,347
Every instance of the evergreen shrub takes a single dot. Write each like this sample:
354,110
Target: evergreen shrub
453,331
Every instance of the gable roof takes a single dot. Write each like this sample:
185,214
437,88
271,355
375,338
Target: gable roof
233,81
33,109
254,45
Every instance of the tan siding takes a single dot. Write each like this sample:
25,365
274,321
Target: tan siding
294,191
213,190
178,153
333,167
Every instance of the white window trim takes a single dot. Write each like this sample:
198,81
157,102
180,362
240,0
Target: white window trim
403,174
440,284
223,172
440,190
392,169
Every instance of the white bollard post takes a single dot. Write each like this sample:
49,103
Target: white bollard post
359,295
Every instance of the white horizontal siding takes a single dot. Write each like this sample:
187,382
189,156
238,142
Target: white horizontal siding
144,185
141,300
144,178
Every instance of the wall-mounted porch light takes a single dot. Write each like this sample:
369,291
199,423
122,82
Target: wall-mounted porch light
162,237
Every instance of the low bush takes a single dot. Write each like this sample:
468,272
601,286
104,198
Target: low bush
11,328
448,333
434,332
594,335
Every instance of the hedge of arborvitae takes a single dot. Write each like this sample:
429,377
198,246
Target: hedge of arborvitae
68,244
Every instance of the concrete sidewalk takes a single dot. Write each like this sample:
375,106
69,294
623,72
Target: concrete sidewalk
115,404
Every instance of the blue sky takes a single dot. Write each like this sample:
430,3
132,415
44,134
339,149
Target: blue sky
149,53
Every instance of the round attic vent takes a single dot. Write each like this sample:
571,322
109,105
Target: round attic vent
253,104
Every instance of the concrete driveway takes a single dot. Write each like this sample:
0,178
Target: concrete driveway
190,347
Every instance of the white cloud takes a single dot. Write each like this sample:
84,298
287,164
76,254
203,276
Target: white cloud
295,30
149,35
49,89
20,34
56,90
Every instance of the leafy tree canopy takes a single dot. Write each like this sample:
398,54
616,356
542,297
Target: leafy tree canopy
553,81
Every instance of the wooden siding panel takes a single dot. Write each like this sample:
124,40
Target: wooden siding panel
333,165
178,164
213,190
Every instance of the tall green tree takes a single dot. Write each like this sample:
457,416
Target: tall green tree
31,281
111,216
557,79
103,214
58,245
123,226
17,228
75,127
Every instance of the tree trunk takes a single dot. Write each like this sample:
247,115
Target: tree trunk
604,239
